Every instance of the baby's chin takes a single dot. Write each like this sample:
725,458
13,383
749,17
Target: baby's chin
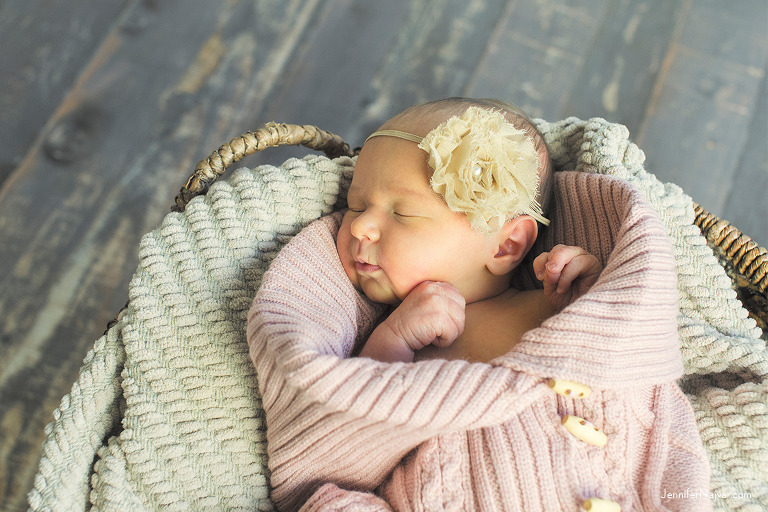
377,293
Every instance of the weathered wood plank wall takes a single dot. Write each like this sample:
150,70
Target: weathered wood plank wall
107,106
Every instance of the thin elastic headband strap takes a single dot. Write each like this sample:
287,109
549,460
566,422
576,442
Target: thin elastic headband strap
396,133
536,215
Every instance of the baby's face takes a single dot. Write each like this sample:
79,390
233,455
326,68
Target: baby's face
398,233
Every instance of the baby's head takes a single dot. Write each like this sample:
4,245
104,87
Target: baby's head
451,191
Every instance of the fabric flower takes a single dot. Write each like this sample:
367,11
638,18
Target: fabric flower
484,167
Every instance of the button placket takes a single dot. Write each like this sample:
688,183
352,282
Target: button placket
584,431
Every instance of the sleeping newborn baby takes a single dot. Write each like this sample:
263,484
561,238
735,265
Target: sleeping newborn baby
493,382
437,225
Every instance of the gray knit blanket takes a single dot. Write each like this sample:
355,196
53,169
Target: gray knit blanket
166,413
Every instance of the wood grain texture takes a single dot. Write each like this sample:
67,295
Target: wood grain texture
537,53
624,60
43,46
166,81
746,204
701,122
112,106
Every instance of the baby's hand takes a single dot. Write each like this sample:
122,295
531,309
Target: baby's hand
432,313
567,273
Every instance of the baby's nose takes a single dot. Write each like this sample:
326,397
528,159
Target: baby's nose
365,226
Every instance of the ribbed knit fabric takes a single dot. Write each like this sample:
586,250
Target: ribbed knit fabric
487,436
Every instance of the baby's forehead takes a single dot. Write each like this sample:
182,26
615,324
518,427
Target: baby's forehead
394,166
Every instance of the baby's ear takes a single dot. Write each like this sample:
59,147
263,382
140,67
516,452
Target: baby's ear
512,243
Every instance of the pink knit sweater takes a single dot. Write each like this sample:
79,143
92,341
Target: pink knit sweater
436,435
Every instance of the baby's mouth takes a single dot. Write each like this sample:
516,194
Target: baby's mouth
365,268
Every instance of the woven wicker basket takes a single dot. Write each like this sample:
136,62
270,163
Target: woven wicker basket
109,441
745,262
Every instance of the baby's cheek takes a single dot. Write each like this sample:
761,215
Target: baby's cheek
343,249
406,278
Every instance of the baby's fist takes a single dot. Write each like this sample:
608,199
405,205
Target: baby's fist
567,272
431,314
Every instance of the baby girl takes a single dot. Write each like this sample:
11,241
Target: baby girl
477,391
437,225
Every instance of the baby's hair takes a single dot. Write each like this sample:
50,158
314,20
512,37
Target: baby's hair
420,119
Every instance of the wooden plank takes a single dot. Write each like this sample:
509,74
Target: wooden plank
369,60
624,60
40,58
736,31
174,80
436,52
699,126
323,84
700,118
746,205
327,81
539,48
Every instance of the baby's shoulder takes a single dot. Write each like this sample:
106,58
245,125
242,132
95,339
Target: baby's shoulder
526,308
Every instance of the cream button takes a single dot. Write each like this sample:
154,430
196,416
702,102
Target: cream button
600,505
584,430
569,388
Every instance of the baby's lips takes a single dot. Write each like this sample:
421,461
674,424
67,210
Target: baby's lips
367,268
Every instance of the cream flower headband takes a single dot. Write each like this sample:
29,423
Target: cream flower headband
483,167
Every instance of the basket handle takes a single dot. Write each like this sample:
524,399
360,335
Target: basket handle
271,135
745,262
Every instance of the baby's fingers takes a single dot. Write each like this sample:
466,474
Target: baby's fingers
563,265
440,310
549,265
561,255
438,291
579,274
453,320
539,265
570,272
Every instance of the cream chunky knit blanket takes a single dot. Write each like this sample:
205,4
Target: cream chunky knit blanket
166,411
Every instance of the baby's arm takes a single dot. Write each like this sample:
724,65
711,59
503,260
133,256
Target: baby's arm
567,273
432,313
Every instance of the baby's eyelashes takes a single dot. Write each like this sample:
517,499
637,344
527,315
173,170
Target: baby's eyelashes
355,207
